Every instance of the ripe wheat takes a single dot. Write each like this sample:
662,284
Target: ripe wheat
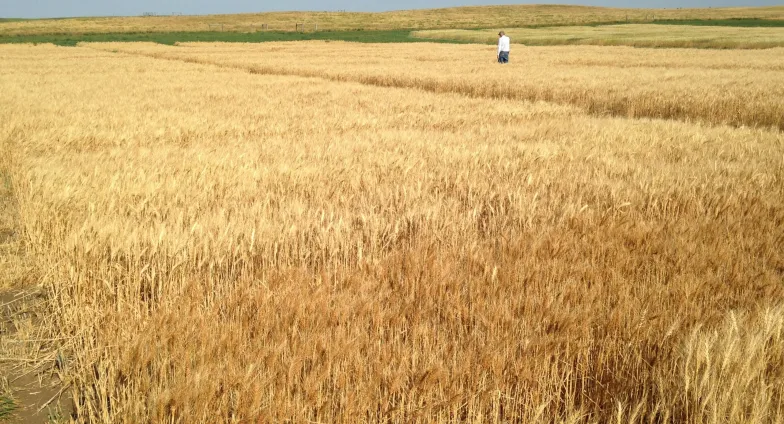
625,35
224,246
738,88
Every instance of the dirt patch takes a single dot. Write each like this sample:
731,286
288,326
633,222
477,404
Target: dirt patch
31,390
6,235
31,387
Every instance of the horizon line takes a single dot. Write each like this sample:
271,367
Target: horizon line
170,14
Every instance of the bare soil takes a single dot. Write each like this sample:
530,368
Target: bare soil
30,389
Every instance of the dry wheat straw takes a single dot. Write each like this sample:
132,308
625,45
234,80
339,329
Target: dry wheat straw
727,87
229,247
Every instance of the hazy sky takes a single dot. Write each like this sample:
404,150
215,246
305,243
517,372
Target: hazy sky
55,8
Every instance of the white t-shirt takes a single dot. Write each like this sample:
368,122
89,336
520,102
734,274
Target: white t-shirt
503,44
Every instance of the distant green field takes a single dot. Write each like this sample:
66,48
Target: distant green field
384,36
393,36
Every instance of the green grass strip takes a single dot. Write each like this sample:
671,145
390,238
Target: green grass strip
361,36
393,36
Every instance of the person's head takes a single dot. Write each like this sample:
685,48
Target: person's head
501,34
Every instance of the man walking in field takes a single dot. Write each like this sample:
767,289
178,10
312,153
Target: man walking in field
503,48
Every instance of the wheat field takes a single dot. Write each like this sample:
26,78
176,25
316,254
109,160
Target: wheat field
635,35
222,241
458,17
740,88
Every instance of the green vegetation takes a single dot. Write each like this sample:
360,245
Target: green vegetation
7,407
369,36
392,36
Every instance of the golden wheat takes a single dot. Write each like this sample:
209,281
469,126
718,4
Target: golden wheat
624,35
719,87
459,17
224,246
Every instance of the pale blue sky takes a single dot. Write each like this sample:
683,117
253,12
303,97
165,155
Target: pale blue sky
61,8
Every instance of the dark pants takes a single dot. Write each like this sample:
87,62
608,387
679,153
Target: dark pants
503,57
